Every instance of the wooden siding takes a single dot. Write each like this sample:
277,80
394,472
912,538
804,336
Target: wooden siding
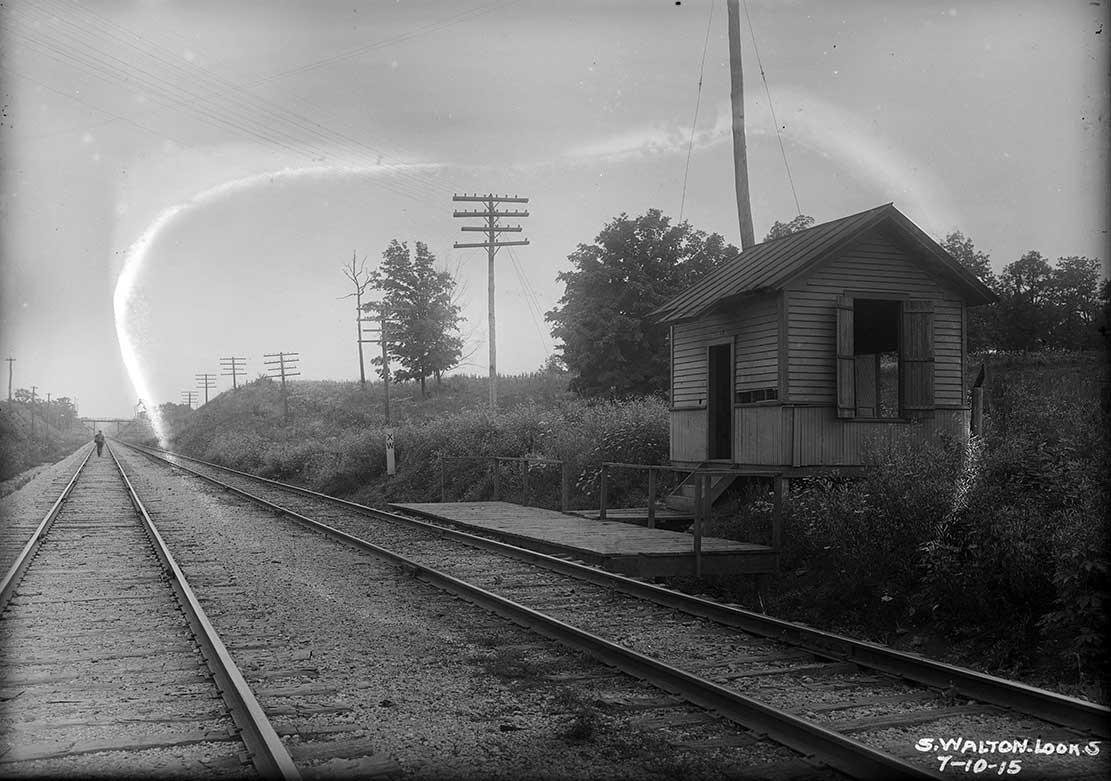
751,324
815,436
872,267
949,354
821,439
688,435
762,435
757,345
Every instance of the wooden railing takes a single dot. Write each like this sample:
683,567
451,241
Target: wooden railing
702,478
524,461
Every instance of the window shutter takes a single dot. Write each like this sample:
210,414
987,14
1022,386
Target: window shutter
846,364
916,356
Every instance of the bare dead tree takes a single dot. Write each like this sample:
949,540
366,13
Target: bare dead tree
361,279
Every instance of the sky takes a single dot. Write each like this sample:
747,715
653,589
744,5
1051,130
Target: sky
185,180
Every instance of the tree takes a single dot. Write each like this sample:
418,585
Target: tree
964,252
63,413
175,417
1024,293
981,319
422,319
781,229
1074,295
360,280
633,266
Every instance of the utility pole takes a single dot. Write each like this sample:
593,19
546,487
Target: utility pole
361,280
491,229
381,319
206,381
233,367
10,362
33,389
737,98
187,397
283,367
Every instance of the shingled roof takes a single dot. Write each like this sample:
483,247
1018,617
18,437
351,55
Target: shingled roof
771,265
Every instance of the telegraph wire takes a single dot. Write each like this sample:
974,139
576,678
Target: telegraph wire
697,102
275,111
163,89
531,301
771,107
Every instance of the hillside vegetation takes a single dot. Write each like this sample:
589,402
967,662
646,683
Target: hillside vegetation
25,444
999,551
335,438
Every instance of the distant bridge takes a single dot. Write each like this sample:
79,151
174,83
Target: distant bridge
95,423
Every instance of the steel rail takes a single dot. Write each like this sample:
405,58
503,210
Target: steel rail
811,740
267,752
23,561
1060,709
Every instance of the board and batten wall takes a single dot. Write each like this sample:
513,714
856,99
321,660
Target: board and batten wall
750,325
872,268
801,428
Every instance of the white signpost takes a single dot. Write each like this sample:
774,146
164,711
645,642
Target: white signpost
391,465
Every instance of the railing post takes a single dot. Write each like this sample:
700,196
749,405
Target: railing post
564,487
602,494
651,497
977,411
698,510
777,512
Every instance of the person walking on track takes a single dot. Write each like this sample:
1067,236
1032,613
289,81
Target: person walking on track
99,439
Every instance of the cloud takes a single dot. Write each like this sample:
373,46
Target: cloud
858,147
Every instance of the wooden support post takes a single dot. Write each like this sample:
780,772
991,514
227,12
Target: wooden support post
524,480
497,480
699,488
564,487
651,497
602,494
777,512
443,481
977,411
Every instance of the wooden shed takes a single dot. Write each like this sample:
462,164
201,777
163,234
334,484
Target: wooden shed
800,350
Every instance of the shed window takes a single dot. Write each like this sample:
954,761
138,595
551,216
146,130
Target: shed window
884,358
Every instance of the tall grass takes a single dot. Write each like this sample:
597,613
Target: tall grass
445,445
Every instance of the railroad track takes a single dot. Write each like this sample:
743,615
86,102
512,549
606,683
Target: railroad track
109,665
23,511
857,707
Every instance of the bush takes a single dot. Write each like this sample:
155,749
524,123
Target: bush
859,539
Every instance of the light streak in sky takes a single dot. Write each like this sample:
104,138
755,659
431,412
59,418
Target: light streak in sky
870,153
128,307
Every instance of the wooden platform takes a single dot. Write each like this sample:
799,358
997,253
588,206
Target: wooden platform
617,547
666,518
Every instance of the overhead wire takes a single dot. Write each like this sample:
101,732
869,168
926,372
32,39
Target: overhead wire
304,131
278,129
76,44
532,301
697,103
467,15
771,107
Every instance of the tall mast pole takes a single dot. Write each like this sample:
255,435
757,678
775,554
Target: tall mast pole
737,98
